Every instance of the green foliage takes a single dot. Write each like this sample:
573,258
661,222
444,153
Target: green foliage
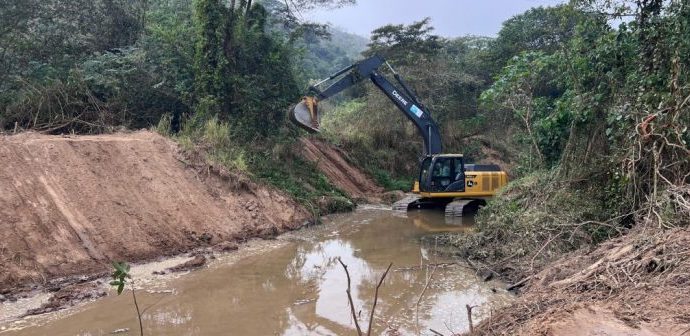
243,71
384,179
169,44
85,84
210,62
300,178
177,56
270,160
606,111
447,76
406,45
526,89
540,29
317,58
120,276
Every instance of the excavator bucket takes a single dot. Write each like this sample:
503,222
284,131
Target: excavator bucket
306,115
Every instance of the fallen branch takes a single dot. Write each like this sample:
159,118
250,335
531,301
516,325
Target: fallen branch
519,283
435,332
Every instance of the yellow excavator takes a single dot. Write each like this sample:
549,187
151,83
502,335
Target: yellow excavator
444,180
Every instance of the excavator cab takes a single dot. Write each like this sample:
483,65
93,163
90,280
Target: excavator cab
442,173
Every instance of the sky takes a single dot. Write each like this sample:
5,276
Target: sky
450,18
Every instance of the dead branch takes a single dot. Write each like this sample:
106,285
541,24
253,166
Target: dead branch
518,284
421,295
469,317
376,298
349,297
435,332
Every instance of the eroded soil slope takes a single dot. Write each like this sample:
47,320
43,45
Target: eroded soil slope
331,162
70,205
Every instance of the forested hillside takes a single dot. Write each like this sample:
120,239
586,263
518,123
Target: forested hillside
322,55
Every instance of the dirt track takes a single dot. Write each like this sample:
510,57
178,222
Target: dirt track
70,205
331,162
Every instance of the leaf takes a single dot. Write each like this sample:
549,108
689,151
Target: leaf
120,288
119,266
115,283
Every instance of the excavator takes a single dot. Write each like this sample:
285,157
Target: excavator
444,180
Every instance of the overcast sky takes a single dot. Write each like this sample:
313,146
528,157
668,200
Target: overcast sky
451,18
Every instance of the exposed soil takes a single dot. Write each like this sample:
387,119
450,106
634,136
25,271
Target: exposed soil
332,162
637,284
71,204
67,296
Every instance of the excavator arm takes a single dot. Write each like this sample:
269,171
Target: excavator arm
306,114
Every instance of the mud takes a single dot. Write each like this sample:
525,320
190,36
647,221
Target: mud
71,204
196,262
294,286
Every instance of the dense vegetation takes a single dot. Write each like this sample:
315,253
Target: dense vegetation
222,74
588,114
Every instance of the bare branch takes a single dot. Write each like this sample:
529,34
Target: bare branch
349,297
376,298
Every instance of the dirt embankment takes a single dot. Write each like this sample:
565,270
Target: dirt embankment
332,163
70,205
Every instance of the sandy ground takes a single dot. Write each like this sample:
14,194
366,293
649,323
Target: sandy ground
331,162
71,204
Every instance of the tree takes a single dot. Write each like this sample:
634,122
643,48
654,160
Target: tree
517,90
210,18
546,29
405,45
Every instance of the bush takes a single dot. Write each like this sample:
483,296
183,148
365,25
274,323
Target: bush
536,219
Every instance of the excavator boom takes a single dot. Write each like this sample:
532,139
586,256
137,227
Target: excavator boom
306,114
444,179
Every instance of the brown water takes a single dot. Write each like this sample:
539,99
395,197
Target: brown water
295,286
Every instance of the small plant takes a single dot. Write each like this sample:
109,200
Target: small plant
120,276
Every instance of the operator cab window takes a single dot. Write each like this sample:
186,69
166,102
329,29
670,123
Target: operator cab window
459,171
441,174
424,175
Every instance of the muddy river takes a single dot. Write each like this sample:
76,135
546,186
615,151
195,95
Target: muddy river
295,286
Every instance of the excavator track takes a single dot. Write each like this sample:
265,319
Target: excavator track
456,207
405,203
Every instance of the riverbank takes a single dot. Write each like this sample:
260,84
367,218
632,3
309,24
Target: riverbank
636,284
72,204
583,276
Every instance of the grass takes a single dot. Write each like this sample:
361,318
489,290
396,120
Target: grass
269,161
384,179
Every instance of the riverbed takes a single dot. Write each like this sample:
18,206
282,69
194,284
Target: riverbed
295,285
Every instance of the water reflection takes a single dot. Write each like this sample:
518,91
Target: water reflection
299,289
